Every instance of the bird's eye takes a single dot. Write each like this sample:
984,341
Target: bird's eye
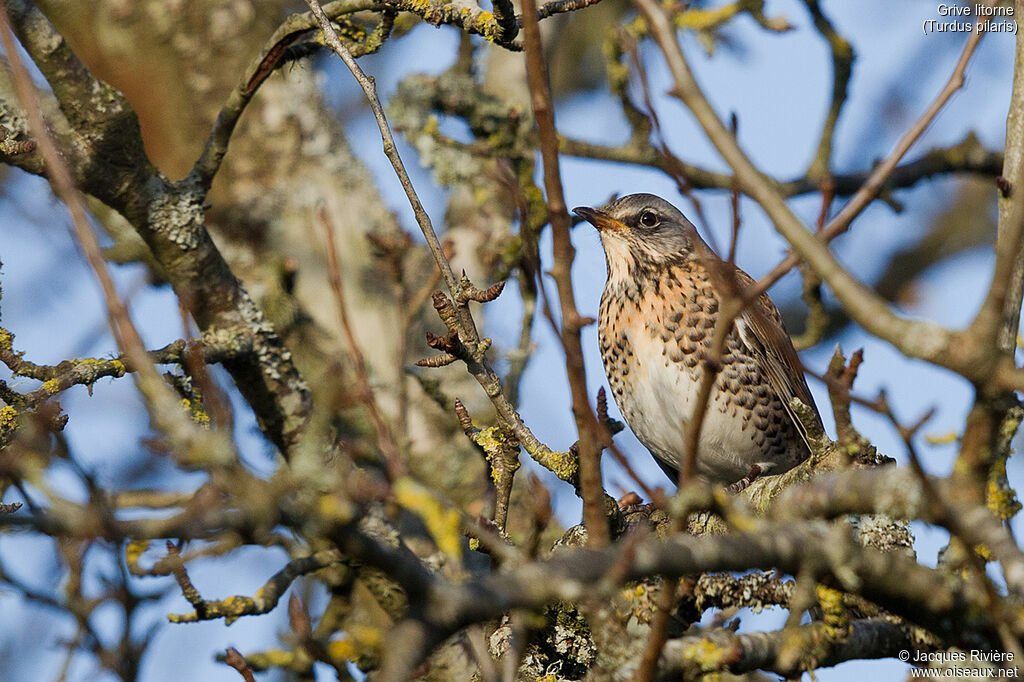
649,219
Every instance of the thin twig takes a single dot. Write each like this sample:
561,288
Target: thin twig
842,68
501,28
270,57
1011,185
734,200
966,157
369,88
915,338
266,598
673,165
557,462
876,181
385,438
594,514
234,659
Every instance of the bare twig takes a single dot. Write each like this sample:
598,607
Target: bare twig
874,183
501,28
916,338
385,438
842,67
996,324
673,165
266,598
271,56
237,661
456,315
965,157
589,445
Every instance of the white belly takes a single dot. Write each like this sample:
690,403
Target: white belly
660,408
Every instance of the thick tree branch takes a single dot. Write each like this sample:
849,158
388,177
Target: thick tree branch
194,444
788,652
897,583
106,159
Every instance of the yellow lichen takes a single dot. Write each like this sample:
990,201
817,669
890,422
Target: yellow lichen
702,20
1000,498
237,606
195,411
8,418
420,7
942,438
984,552
432,125
102,365
706,655
133,552
51,386
442,523
488,27
342,650
497,443
336,509
357,641
561,464
490,439
837,619
273,658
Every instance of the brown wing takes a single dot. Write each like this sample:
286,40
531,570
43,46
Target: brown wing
761,331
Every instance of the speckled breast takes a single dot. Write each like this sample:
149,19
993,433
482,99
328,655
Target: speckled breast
653,336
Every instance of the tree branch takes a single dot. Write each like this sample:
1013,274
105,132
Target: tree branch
594,513
915,338
106,159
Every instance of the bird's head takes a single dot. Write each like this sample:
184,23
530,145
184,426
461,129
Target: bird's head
642,231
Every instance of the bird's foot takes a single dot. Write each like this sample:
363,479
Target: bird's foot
742,484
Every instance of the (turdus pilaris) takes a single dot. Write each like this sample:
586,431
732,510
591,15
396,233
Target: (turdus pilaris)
656,322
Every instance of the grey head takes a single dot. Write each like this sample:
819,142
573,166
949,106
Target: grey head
641,231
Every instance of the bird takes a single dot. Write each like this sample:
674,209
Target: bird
656,322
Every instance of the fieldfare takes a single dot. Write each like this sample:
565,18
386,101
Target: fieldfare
656,322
